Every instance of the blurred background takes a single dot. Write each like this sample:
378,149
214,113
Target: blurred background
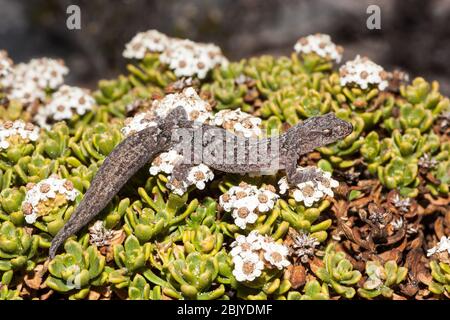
414,35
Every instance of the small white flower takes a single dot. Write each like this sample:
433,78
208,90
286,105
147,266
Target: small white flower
247,268
307,193
199,175
325,183
321,45
243,245
441,246
244,213
266,200
276,254
363,73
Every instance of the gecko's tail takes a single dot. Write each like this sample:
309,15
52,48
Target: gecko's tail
118,167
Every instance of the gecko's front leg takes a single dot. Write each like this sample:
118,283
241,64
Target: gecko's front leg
295,176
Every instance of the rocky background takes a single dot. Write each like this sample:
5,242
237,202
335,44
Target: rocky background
414,35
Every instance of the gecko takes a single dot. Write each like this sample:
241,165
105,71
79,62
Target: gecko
175,131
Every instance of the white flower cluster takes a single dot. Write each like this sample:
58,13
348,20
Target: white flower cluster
12,132
363,72
185,57
310,191
196,108
442,246
64,104
139,122
28,81
238,122
6,64
253,253
197,175
145,42
321,45
247,201
43,191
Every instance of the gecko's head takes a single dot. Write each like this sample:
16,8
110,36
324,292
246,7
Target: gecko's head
326,129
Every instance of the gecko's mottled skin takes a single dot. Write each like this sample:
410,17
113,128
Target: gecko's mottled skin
245,154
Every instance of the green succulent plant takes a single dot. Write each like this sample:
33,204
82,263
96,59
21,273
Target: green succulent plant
17,248
402,174
161,216
421,92
338,272
381,278
11,204
111,90
409,116
76,271
35,168
96,141
194,276
55,142
303,219
440,272
13,110
130,258
5,292
312,291
139,289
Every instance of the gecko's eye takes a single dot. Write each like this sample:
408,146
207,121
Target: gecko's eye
327,132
